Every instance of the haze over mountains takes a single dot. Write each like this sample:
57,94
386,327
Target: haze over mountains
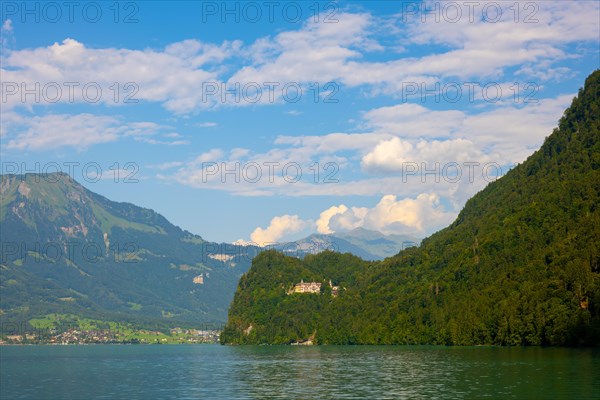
364,243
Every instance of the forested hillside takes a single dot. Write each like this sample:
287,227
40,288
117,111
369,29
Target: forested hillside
519,266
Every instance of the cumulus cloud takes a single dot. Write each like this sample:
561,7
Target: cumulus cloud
395,136
394,154
341,218
506,134
325,217
277,229
418,216
422,214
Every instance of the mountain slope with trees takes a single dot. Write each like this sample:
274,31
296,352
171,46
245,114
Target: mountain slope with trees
519,266
68,250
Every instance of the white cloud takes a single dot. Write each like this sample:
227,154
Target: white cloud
79,131
418,216
336,52
421,215
398,135
162,142
555,21
316,52
506,134
341,218
209,156
189,65
331,143
480,49
242,242
140,129
394,154
325,216
238,153
280,170
172,135
413,120
277,229
513,133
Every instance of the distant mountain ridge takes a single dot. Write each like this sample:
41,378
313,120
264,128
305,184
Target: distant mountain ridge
364,243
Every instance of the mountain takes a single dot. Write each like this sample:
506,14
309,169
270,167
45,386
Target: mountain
66,249
364,243
378,244
519,266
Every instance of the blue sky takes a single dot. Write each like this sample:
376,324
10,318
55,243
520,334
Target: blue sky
268,121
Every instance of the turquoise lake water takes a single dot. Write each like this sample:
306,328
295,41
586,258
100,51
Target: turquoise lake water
284,372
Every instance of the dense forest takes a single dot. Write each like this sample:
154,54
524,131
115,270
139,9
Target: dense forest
519,266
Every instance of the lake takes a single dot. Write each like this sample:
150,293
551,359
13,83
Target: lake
283,372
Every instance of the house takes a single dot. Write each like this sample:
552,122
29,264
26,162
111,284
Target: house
307,287
334,289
